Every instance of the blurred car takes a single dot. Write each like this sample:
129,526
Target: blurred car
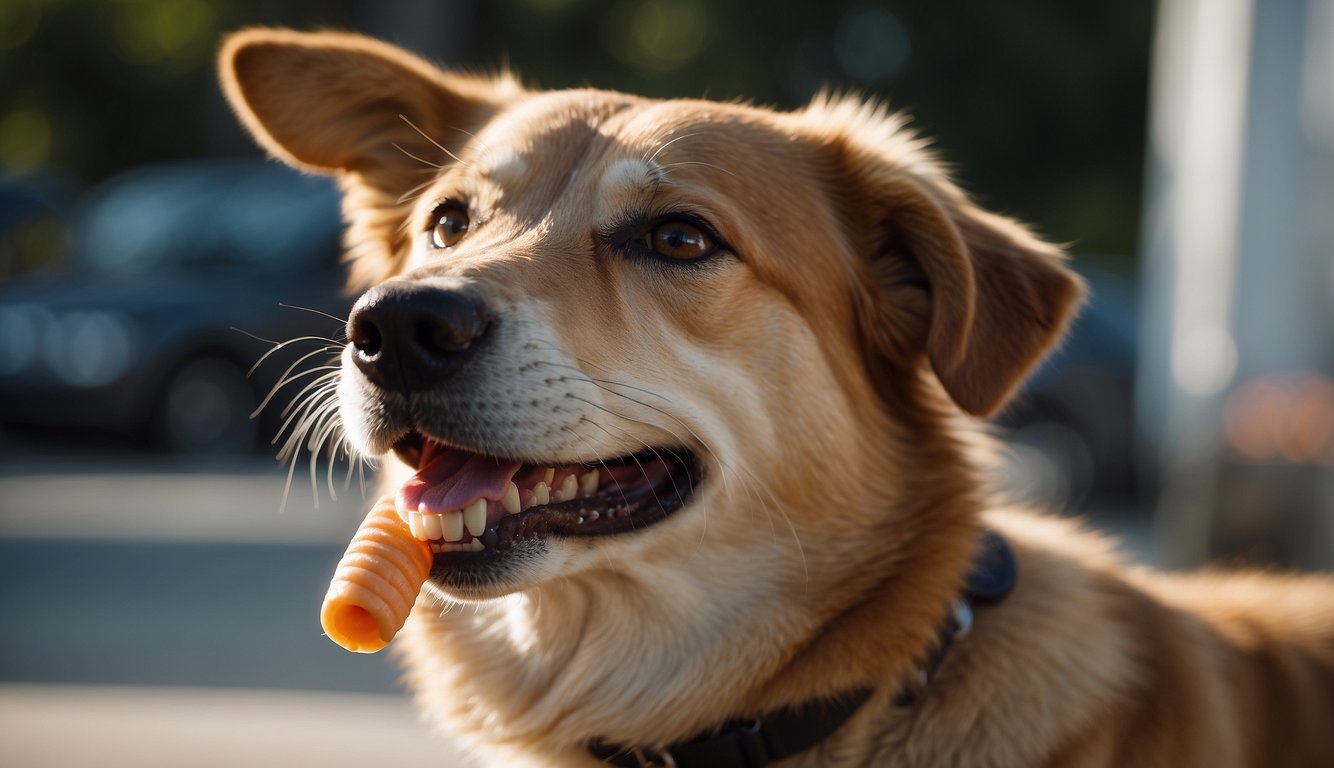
176,272
1071,428
33,208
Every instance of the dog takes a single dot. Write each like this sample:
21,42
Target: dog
686,398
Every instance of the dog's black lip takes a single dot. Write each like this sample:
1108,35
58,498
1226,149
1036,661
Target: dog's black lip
408,449
617,513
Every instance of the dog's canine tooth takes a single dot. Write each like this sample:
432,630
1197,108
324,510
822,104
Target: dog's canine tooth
451,524
588,484
415,525
569,488
510,501
475,517
541,494
431,525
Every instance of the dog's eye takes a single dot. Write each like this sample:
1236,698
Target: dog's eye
679,239
451,224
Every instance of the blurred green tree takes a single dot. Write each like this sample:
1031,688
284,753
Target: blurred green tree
1039,104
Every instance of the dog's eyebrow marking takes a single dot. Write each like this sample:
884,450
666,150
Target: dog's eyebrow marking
502,165
627,183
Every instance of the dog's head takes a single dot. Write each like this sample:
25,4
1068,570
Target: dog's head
661,331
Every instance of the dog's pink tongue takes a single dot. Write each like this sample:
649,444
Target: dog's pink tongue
451,479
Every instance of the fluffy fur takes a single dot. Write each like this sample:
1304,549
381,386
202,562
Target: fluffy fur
826,367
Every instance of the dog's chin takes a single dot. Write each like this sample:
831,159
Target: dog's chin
610,499
475,578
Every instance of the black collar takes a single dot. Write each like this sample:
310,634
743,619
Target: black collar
742,743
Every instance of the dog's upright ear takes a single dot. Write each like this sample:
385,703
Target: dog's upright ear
379,117
977,293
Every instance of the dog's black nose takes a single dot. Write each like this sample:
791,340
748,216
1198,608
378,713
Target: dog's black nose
409,337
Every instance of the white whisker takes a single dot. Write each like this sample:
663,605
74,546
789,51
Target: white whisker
415,192
437,144
329,376
288,377
658,151
330,345
718,168
341,320
418,159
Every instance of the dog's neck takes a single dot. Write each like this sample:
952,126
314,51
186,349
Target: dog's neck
754,741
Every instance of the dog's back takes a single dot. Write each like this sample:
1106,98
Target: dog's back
1206,669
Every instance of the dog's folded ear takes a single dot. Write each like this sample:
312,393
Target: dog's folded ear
375,114
977,293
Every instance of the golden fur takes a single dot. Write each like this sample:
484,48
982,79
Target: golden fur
826,369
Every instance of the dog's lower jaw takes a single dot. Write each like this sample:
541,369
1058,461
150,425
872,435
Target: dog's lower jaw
523,565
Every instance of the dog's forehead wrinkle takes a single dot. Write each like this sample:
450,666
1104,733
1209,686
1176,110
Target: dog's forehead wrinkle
558,125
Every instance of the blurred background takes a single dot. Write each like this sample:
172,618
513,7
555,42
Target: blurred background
160,571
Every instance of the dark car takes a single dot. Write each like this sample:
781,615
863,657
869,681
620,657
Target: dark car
1071,428
181,278
33,209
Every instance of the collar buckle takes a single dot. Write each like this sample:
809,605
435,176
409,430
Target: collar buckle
648,757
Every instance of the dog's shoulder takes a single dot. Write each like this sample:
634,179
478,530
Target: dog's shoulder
1140,662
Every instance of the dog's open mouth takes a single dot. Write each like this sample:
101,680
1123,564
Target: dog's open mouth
464,502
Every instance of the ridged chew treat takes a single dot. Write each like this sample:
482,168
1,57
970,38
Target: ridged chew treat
376,582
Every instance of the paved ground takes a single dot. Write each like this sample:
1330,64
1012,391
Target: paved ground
156,615
59,726
172,578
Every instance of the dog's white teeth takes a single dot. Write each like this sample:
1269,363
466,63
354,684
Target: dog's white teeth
527,500
541,494
588,484
510,501
475,517
452,525
415,525
569,488
550,476
475,545
431,525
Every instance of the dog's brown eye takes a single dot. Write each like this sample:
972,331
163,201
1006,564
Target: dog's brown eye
679,239
451,224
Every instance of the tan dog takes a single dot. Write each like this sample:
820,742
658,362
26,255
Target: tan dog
760,334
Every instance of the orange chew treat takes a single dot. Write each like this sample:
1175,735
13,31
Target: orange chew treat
376,582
